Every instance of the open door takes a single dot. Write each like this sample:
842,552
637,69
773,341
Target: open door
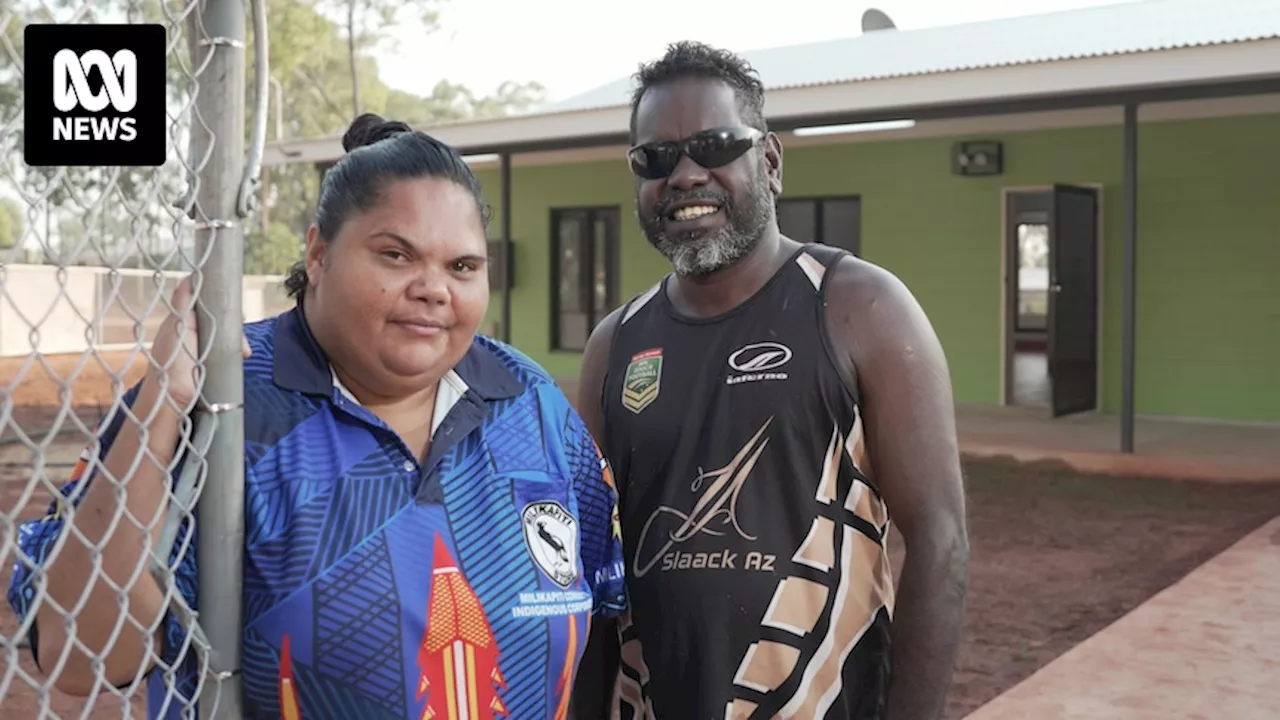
1073,300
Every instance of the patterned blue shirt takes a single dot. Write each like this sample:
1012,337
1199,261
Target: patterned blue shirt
377,586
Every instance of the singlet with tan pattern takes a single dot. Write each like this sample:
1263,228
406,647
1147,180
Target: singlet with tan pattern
753,532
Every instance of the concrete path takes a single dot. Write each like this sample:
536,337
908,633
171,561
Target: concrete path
1090,442
1205,648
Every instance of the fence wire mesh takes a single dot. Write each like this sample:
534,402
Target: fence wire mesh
93,496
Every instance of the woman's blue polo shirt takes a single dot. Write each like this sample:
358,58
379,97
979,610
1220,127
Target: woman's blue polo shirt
376,586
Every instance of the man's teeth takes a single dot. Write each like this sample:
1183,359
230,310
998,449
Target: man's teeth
694,211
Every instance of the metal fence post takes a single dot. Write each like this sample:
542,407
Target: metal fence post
220,109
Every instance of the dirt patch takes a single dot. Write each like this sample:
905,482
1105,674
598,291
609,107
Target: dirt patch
1056,555
41,383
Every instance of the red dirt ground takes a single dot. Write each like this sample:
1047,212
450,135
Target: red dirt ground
1056,555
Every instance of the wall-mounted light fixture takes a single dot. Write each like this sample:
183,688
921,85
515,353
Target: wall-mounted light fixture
879,126
977,157
481,159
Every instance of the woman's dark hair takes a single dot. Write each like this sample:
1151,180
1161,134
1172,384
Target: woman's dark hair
380,151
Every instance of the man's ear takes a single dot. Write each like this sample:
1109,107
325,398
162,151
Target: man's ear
773,161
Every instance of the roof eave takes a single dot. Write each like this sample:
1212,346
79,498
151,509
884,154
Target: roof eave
1110,79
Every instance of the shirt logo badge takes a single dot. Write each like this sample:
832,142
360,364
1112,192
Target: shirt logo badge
643,380
757,362
552,536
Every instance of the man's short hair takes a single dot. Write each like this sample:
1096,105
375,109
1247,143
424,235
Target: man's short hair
689,59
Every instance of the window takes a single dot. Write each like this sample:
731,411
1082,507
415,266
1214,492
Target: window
835,221
584,273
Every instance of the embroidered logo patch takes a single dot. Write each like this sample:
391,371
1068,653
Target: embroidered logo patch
643,380
552,535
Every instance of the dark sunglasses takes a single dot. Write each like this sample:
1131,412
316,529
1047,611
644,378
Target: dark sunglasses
709,148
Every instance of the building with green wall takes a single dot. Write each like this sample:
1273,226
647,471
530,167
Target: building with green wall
1208,295
1150,279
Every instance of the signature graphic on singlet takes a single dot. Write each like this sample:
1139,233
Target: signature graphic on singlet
714,513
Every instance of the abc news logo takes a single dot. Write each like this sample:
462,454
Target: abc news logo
71,91
95,95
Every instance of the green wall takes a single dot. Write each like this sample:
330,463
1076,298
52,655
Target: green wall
1209,294
537,190
1208,308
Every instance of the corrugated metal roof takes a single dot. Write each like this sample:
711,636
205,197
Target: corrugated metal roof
1125,28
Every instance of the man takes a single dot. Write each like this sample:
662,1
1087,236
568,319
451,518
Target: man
767,408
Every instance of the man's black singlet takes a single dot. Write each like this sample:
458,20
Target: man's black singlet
758,581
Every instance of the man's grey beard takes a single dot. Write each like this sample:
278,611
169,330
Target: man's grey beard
744,226
705,255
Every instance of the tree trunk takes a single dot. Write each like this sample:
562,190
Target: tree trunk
351,52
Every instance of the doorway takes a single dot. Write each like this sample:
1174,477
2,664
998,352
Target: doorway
1051,299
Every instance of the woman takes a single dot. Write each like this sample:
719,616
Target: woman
428,524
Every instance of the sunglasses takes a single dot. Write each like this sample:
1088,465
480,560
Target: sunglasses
709,149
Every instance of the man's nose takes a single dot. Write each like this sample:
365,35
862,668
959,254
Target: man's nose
688,174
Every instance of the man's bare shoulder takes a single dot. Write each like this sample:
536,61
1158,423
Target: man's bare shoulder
610,323
868,296
601,337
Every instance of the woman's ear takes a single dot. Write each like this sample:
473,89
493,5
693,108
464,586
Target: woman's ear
316,253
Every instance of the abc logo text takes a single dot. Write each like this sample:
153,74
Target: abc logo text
95,95
71,91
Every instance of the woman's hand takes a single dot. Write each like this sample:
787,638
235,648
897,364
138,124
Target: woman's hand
175,349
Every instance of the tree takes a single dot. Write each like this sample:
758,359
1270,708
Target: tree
11,223
112,213
272,252
365,23
114,204
511,97
310,57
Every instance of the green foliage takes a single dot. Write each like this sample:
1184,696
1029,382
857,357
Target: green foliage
11,223
365,24
108,212
310,58
101,213
272,252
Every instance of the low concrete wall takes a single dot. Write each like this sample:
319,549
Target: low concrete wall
52,310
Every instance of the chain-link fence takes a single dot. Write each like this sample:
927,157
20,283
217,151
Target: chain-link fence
104,447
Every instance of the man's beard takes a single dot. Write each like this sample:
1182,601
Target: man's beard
692,254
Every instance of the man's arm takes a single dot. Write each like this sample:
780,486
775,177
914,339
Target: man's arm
908,411
593,687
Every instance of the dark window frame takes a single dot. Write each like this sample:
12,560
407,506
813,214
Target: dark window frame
613,265
819,221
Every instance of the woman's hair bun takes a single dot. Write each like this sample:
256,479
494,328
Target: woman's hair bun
369,129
